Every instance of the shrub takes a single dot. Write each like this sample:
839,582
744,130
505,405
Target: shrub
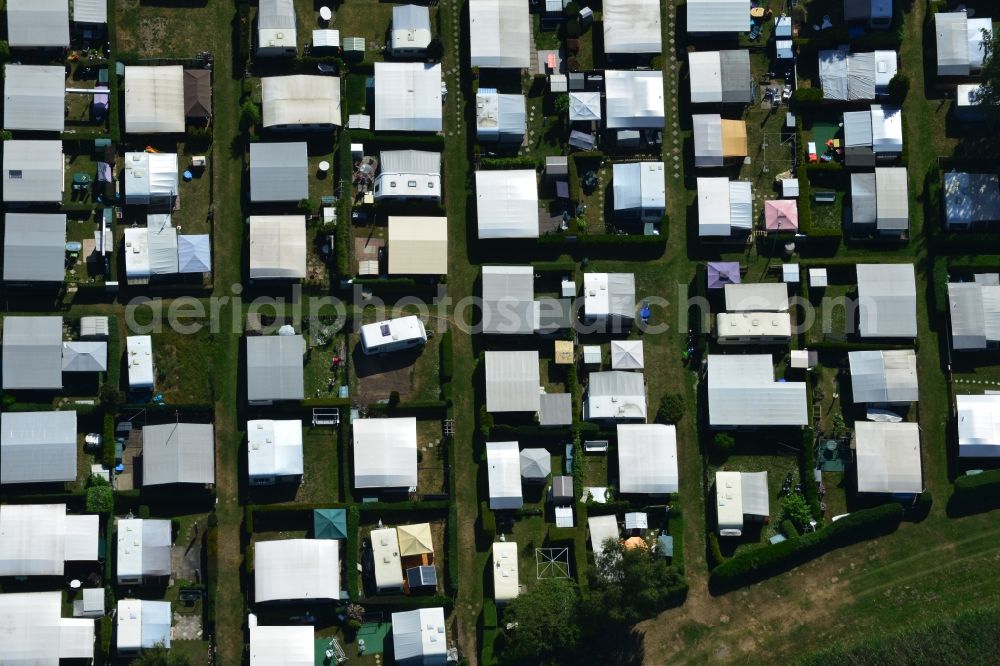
100,498
571,10
306,206
144,511
899,86
111,396
487,520
393,399
979,489
4,51
715,550
671,408
561,104
724,444
795,509
573,63
808,98
249,115
788,529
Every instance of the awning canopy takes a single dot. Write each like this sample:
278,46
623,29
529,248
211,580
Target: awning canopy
721,273
329,523
781,215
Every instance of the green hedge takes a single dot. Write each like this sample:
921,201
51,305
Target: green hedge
447,356
425,409
487,522
344,459
382,141
108,444
807,465
510,162
978,489
714,551
353,527
755,565
617,242
211,571
393,603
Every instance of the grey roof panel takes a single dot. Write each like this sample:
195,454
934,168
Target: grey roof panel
863,198
37,447
274,368
737,84
178,453
279,171
555,409
34,247
32,353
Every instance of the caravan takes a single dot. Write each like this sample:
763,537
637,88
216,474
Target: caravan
393,335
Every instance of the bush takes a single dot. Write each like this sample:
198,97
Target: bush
808,98
100,498
724,444
111,396
980,491
899,86
4,51
788,529
573,46
795,510
571,10
807,474
249,115
144,511
393,399
561,104
755,565
671,409
447,360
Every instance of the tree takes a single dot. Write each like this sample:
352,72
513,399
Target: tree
795,509
807,98
899,86
249,114
628,585
111,396
100,497
724,444
671,409
989,89
562,104
160,656
547,623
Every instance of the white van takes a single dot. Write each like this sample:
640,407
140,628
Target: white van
393,335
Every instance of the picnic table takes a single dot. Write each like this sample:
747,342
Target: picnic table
81,181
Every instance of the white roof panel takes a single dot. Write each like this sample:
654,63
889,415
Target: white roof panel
297,570
512,381
37,447
154,99
38,539
407,97
888,457
418,637
32,352
499,34
32,171
978,426
647,458
888,376
277,247
505,578
38,23
301,99
634,100
742,392
385,453
282,646
507,204
887,301
602,528
34,247
705,69
274,448
711,16
34,98
504,470
713,207
632,26
757,297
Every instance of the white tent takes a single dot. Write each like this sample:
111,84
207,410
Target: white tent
37,447
277,247
33,171
647,458
407,97
887,301
418,636
385,453
38,539
634,99
418,245
499,34
143,549
154,99
297,570
194,253
33,631
742,392
505,578
151,178
38,23
282,646
584,106
504,466
715,16
974,309
888,457
978,426
141,623
602,528
301,101
632,26
507,204
881,377
512,381
626,355
274,450
757,297
887,129
34,98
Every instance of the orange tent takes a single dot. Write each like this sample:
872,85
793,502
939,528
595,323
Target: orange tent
634,542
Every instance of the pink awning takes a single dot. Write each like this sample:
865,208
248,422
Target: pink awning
781,215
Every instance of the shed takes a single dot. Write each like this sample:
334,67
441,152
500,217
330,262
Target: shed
411,30
639,190
142,624
633,99
555,409
970,199
385,452
888,457
420,578
626,355
505,573
718,16
139,353
34,247
632,26
507,204
974,308
32,353
561,490
276,30
198,94
301,101
287,646
274,368
887,301
887,130
609,297
274,451
502,117
418,245
325,39
296,570
154,99
615,396
536,465
504,472
34,98
499,34
408,97
38,539
93,327
329,524
892,211
742,392
863,199
884,377
508,300
32,171
720,77
151,179
36,633
408,175
419,638
277,247
858,149
647,459
85,356
143,550
38,447
178,453
279,171
978,426
38,23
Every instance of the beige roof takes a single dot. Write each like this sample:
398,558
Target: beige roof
414,539
154,99
301,100
734,138
418,245
277,247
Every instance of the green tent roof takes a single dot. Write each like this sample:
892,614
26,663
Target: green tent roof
330,524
